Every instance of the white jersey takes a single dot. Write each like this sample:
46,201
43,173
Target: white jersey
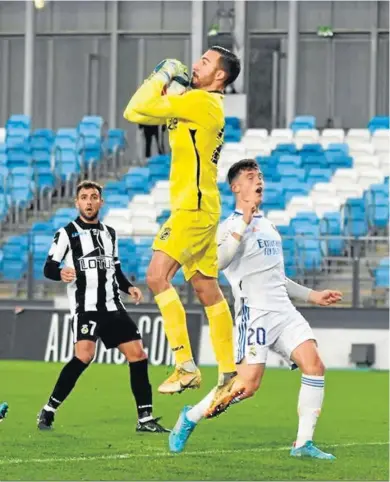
256,272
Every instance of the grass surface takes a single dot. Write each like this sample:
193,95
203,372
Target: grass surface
94,436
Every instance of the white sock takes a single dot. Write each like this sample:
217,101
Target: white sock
189,366
310,401
197,412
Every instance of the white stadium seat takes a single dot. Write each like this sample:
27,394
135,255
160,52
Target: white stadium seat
255,134
341,176
360,148
384,163
326,205
366,161
122,214
358,135
370,176
2,134
326,188
144,199
307,136
279,218
349,191
143,212
143,227
336,135
282,133
381,144
299,204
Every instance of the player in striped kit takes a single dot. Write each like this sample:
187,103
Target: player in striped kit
92,271
250,254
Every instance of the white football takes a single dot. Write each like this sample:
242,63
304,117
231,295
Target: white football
178,85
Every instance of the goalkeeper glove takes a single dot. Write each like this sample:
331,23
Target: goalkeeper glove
168,69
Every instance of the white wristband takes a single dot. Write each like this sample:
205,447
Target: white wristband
241,228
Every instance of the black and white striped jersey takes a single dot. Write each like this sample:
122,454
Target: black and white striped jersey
92,250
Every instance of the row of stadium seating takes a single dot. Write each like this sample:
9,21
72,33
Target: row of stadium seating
302,129
35,162
304,198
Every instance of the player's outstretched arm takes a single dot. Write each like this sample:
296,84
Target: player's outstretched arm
320,298
149,102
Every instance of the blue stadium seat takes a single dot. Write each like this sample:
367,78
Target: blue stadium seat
3,154
142,172
303,122
285,149
273,197
41,158
224,188
231,134
163,217
116,139
42,139
136,184
18,156
316,175
379,122
381,274
291,174
309,252
233,122
45,178
377,205
117,201
338,160
18,130
271,173
42,227
178,279
287,160
114,187
338,148
295,189
14,269
271,161
311,151
330,225
355,219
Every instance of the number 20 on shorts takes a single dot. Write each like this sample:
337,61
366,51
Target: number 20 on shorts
256,336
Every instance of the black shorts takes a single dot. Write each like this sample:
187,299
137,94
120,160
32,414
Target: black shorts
112,327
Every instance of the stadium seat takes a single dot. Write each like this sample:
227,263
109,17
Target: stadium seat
233,122
379,122
330,225
116,139
354,217
303,122
309,253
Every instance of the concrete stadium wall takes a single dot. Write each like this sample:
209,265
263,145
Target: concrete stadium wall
333,74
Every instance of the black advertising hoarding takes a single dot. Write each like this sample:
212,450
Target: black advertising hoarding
47,335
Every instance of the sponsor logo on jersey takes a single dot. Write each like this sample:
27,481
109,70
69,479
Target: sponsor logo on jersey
95,259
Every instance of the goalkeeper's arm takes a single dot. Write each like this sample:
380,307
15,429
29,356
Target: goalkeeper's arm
149,102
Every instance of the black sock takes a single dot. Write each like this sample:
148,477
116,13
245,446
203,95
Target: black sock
66,381
141,388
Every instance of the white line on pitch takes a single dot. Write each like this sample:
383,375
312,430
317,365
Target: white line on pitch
89,458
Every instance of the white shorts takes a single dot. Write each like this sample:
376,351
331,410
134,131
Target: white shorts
259,331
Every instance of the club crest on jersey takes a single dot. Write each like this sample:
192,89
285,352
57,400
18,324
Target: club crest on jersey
84,329
252,351
165,234
95,259
172,124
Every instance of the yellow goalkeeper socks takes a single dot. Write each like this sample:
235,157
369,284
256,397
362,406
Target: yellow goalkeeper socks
175,324
221,333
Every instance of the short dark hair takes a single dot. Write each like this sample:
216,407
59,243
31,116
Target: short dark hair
229,62
243,165
88,185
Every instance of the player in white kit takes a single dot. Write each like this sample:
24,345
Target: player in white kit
251,255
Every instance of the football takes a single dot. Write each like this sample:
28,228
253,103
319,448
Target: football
178,85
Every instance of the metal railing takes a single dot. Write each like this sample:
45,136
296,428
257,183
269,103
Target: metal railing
351,270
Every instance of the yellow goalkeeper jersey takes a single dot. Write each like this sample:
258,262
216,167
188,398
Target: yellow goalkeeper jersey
195,122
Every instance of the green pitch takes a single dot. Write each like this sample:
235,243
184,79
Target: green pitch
95,439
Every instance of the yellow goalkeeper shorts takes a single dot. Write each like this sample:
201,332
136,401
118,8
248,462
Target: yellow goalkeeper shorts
190,237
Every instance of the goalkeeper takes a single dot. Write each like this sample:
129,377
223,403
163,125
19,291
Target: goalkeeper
188,239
